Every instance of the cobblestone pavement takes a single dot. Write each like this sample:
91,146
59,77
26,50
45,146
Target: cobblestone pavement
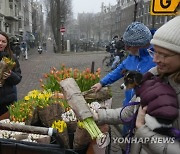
38,64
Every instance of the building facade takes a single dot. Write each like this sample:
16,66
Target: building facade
16,18
128,11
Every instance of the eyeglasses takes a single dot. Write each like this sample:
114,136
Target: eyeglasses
159,55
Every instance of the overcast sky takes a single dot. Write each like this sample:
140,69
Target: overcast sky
90,6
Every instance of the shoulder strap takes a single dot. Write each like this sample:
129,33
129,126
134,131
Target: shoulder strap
130,118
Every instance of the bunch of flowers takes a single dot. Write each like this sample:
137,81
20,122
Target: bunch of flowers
85,79
69,116
6,65
23,110
59,125
42,98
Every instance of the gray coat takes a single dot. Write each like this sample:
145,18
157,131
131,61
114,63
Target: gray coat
112,116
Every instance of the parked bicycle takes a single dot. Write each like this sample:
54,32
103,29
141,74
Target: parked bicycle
111,61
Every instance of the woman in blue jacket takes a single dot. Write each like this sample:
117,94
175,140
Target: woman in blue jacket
136,39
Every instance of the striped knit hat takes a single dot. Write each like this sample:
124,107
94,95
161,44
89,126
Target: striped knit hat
168,35
137,34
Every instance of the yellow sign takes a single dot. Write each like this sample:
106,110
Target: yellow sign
165,7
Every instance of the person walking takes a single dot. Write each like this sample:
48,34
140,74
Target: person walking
8,93
24,48
17,49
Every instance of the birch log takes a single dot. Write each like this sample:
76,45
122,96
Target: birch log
24,128
75,99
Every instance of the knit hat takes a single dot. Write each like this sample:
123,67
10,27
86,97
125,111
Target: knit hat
137,34
168,35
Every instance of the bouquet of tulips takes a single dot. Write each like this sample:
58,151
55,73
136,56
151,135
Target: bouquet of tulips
6,65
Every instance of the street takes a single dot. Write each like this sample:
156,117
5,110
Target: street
38,64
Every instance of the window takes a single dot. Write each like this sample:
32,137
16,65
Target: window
11,5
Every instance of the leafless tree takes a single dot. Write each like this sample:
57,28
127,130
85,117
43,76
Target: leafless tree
58,12
85,22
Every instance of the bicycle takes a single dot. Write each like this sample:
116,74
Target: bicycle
108,60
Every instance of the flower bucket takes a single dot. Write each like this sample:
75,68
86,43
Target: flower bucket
72,125
64,138
50,113
81,139
34,119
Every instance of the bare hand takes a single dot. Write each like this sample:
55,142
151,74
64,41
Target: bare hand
141,116
96,87
6,75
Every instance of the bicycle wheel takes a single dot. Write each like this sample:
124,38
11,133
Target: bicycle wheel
106,64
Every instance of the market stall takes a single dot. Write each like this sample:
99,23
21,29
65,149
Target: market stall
64,103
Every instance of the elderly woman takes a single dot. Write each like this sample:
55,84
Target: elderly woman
11,78
166,55
136,39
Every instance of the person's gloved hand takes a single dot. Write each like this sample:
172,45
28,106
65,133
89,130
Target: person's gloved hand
96,87
94,107
6,75
94,114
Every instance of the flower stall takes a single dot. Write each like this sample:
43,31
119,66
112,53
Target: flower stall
52,106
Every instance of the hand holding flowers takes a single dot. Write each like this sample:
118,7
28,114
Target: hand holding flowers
6,65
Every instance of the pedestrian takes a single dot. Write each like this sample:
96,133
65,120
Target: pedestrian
166,55
24,49
17,49
119,53
8,93
136,39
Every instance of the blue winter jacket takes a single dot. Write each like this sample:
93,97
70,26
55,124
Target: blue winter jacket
141,63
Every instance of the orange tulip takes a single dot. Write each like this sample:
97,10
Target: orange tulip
45,75
88,70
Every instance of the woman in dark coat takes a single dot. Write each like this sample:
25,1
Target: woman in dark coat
11,78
